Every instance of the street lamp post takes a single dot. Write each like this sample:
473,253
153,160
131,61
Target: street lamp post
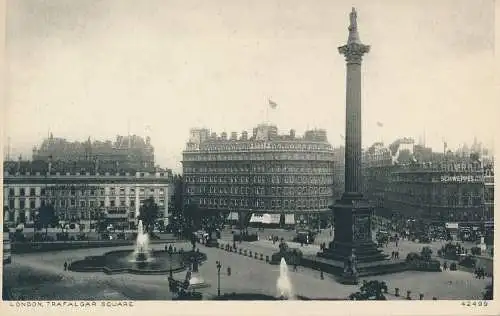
219,266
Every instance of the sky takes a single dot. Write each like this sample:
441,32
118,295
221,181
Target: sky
157,68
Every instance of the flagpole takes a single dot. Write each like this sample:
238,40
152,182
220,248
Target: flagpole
267,112
380,126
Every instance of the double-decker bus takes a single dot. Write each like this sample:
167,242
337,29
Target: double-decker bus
6,246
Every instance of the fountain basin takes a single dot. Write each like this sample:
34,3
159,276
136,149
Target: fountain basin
124,261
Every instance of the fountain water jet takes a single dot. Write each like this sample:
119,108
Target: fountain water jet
142,251
283,285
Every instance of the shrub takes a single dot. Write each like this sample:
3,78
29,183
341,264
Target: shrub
413,256
475,251
291,255
431,265
468,262
453,266
426,253
245,237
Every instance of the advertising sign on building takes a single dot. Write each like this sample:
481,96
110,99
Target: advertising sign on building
462,179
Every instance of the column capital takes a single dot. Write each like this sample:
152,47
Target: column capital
354,52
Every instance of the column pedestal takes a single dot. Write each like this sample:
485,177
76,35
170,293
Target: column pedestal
353,231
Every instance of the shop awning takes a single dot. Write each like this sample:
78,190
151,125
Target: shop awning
233,216
265,218
271,219
451,225
289,219
256,218
275,218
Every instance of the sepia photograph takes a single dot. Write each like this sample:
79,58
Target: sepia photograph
243,150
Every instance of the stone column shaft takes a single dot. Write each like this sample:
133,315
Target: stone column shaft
353,129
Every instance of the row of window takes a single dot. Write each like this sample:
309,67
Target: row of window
246,146
72,216
436,191
72,202
437,179
261,179
444,201
450,215
258,168
72,191
261,203
259,156
303,190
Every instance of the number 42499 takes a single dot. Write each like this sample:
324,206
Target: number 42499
475,303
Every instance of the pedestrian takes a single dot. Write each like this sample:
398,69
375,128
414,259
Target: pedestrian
392,255
294,266
321,275
445,266
65,266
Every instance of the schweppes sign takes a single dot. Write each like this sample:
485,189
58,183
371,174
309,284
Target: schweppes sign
462,179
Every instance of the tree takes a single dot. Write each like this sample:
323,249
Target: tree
370,290
47,216
243,217
100,217
193,216
178,195
148,214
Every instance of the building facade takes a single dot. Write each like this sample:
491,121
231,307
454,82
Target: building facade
489,190
263,173
438,192
125,152
82,197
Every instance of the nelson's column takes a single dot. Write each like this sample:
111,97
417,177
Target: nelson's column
352,213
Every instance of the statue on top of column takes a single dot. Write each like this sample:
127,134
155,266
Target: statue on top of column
353,18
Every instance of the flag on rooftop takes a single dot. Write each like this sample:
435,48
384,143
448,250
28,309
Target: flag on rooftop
272,104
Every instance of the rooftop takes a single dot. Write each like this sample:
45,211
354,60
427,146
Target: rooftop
76,167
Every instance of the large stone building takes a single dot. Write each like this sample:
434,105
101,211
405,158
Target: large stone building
442,190
489,190
438,192
282,175
413,181
125,152
80,195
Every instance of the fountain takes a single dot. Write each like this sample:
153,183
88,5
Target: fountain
141,260
142,252
283,285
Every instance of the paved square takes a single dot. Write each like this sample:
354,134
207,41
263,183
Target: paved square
41,276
